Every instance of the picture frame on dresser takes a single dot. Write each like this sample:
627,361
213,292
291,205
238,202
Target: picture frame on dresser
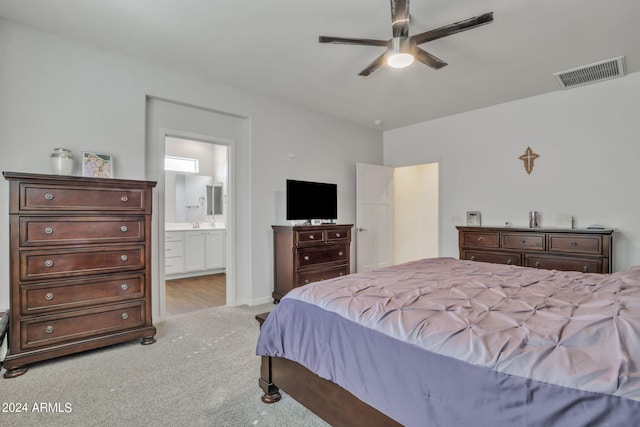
98,165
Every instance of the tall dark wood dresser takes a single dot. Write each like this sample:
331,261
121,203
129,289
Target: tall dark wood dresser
305,254
80,265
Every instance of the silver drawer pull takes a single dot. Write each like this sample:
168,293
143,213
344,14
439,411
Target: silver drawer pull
340,253
48,230
124,199
48,329
306,281
472,257
124,257
48,263
523,241
124,316
124,229
338,235
48,296
311,237
509,261
537,263
479,238
48,196
340,274
585,269
574,244
124,286
306,257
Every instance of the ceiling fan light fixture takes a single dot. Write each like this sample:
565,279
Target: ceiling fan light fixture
400,60
399,55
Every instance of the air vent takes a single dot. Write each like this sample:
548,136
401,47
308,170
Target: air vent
603,70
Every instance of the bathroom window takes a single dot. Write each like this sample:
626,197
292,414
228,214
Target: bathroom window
180,164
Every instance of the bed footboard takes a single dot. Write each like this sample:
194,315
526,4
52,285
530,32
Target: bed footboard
324,398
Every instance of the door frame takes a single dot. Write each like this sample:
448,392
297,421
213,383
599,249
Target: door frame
230,254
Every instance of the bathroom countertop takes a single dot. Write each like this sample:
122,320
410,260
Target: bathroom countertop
187,226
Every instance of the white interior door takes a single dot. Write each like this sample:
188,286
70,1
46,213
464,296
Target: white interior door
374,216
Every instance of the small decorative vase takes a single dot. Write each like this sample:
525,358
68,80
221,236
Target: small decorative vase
61,161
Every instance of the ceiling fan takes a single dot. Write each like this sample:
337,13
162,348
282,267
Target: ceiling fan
402,49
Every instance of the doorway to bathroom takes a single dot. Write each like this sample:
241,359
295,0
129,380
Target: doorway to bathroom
196,179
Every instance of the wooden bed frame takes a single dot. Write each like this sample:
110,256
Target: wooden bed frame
324,398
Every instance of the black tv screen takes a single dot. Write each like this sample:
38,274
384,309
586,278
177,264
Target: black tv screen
311,200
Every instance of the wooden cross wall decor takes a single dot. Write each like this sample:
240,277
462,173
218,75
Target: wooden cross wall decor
528,157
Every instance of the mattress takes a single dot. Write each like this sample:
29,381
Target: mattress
457,342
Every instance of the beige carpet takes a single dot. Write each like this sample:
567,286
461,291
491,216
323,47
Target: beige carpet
202,371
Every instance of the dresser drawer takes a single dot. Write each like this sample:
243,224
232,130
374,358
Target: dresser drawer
334,235
528,241
576,244
173,236
39,231
309,276
481,239
71,326
586,265
308,237
312,256
80,293
49,264
40,197
497,257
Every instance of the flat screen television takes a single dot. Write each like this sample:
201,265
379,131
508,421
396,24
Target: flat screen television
311,200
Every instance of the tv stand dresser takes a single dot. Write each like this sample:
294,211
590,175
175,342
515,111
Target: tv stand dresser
80,266
589,251
305,254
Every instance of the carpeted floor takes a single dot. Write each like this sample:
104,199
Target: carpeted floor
202,371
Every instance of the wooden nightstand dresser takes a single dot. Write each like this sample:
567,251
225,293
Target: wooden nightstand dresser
80,265
305,254
589,251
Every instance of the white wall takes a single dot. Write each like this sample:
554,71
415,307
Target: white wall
60,93
587,139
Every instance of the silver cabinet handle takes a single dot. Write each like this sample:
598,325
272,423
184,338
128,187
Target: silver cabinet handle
48,296
311,237
124,229
472,257
509,261
124,257
362,229
124,316
522,242
479,238
48,230
48,329
306,257
340,253
124,199
48,263
306,281
338,235
537,263
48,196
585,269
124,286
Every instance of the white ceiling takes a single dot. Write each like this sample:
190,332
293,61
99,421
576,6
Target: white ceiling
271,47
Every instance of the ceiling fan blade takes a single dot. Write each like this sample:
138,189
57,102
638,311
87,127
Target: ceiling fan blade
456,27
347,40
427,58
379,61
400,18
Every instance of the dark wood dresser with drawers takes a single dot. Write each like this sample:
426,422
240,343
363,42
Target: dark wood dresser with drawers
583,250
305,254
80,265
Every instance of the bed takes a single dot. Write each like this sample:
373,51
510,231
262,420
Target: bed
447,342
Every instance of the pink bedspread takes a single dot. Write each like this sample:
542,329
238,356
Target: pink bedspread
565,328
